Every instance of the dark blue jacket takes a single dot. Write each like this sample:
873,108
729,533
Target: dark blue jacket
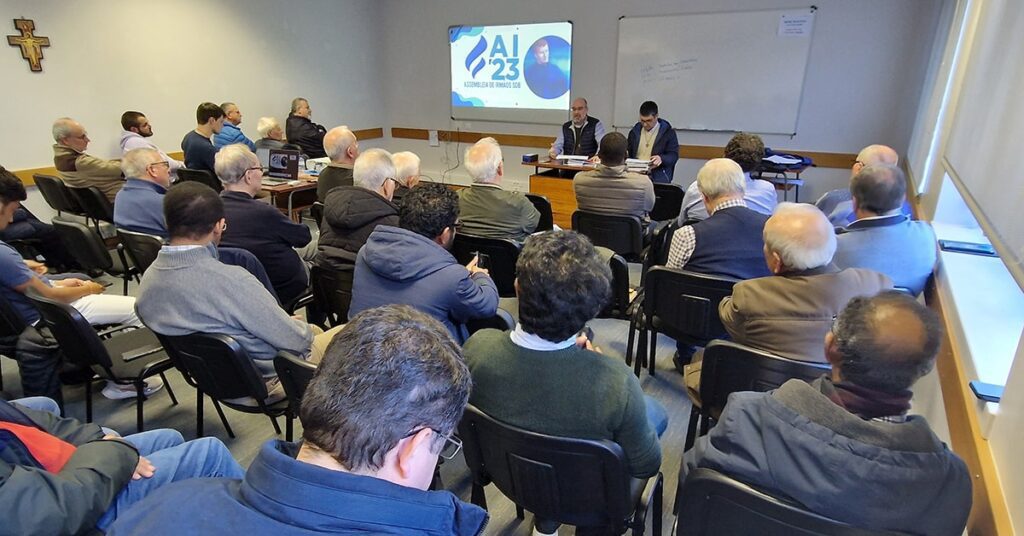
730,244
400,266
199,151
666,145
139,207
282,496
588,141
230,134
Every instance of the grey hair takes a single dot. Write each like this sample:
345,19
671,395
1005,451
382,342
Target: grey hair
337,141
232,161
482,160
801,247
265,125
407,164
372,168
719,177
62,128
296,101
135,162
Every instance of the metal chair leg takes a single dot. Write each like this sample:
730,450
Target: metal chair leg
288,426
520,514
277,427
88,401
223,418
140,397
641,352
691,429
478,497
199,413
654,350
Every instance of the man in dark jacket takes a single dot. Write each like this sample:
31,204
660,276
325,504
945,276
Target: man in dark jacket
381,409
654,139
844,446
411,264
59,476
301,131
351,213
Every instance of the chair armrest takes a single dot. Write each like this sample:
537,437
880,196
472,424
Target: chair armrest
106,333
144,351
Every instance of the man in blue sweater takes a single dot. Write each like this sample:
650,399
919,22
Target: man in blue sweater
231,133
198,143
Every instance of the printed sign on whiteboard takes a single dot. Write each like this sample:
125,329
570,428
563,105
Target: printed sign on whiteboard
795,25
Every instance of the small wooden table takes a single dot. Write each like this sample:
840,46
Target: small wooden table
292,199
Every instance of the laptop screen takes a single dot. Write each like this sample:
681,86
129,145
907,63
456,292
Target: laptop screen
283,164
263,153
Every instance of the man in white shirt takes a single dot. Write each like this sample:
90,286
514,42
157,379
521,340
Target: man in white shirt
747,150
137,129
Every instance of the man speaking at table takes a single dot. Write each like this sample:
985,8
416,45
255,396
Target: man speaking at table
654,139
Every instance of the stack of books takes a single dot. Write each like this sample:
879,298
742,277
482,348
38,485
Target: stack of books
638,166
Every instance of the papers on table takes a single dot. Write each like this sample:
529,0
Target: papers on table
782,160
572,158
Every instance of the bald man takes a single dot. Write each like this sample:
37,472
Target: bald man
79,169
881,237
342,148
837,204
580,134
845,445
485,208
789,312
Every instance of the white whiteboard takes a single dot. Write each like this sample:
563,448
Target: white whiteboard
740,71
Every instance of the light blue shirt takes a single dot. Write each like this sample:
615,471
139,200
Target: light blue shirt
759,195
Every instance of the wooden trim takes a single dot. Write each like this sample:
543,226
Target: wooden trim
698,152
369,133
989,515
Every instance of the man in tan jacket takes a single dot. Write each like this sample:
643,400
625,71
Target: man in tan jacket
610,189
78,169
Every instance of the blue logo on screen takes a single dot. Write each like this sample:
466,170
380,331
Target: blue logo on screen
476,54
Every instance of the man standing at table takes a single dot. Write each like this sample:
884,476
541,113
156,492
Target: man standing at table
302,131
654,139
579,136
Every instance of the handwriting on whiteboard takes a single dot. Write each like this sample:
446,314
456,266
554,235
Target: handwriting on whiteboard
666,71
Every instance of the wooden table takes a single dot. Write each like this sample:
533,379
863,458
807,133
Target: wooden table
292,199
555,183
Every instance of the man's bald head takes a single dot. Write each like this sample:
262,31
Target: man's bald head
878,189
873,155
884,342
341,145
797,237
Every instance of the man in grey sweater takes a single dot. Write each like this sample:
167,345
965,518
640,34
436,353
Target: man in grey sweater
187,290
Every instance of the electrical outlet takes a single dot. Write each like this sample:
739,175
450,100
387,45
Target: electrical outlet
432,137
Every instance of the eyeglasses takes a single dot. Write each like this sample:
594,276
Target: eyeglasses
254,167
160,163
452,445
397,182
577,108
858,162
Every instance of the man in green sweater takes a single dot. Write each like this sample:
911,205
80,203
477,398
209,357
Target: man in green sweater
546,378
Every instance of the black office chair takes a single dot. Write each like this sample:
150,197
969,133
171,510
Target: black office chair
729,367
90,252
218,367
541,203
714,504
200,175
576,482
332,292
127,357
503,255
11,326
680,304
141,248
668,201
622,234
502,320
618,305
317,212
95,204
56,194
295,374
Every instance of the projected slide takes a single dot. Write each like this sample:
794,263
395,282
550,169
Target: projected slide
511,73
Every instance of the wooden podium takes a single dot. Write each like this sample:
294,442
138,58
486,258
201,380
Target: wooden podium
553,180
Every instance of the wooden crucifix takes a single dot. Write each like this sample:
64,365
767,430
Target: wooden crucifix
31,46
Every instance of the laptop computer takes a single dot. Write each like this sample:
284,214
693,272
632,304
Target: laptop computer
282,165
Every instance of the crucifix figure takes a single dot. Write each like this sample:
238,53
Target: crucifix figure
31,46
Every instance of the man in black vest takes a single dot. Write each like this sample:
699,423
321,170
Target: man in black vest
729,243
578,136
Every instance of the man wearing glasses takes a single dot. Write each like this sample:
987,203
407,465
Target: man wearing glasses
377,415
139,205
78,169
579,135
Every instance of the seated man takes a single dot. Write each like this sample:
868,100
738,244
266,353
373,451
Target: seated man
39,368
747,150
844,446
407,172
26,226
541,376
64,477
139,205
186,290
727,244
411,265
271,135
610,189
198,143
230,133
79,169
351,213
838,204
484,208
302,131
137,129
377,415
580,134
258,227
343,149
788,313
654,139
882,238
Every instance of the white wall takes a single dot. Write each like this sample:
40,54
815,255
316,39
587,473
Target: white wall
164,58
863,82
